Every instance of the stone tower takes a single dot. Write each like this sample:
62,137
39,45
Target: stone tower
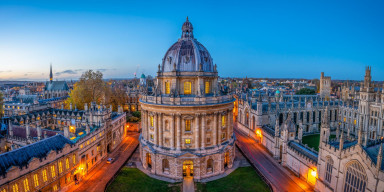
325,86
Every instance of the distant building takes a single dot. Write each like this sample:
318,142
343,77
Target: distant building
54,89
325,86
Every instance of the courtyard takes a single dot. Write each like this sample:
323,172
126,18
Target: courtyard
313,141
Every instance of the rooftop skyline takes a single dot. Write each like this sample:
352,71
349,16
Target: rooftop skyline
298,39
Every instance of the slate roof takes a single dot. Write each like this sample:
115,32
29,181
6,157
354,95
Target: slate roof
22,156
20,131
303,150
56,86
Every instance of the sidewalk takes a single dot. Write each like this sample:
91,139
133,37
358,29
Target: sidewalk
188,184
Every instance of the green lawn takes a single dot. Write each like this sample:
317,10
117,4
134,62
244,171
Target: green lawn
314,140
132,180
243,179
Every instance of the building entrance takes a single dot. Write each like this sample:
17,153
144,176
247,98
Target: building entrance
188,168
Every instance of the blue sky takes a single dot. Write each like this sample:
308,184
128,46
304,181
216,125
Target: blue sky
276,39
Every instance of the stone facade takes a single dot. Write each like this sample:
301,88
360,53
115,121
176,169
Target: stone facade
186,121
350,162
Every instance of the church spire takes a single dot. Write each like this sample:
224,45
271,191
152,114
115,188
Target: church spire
187,30
50,74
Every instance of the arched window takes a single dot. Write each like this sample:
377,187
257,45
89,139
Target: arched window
166,166
210,166
355,177
253,123
328,170
246,118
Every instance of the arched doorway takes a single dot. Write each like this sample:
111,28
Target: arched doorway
149,160
109,148
226,159
188,168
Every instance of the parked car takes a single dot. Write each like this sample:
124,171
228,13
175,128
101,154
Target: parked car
110,160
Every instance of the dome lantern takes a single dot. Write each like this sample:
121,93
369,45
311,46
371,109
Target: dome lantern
187,29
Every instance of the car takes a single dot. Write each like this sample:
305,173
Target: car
110,160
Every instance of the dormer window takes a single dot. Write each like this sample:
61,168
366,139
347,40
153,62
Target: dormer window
187,88
207,87
167,88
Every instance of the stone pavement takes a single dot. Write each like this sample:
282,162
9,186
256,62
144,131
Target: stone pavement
188,184
98,178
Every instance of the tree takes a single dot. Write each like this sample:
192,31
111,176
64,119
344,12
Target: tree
305,91
118,97
90,88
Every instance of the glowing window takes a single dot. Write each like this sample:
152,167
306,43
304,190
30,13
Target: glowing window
15,188
60,167
3,190
187,141
151,119
223,120
223,136
53,171
26,185
88,142
36,180
55,188
354,122
74,159
151,137
81,146
67,163
187,125
207,87
167,88
45,179
187,88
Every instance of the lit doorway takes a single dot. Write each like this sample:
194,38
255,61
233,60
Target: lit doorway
149,160
188,168
226,159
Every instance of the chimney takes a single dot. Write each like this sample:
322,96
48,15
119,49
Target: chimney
27,131
39,132
66,131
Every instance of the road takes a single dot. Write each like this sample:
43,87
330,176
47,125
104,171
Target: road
98,178
269,168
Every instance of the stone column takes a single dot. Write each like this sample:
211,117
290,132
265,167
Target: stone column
156,128
220,127
229,124
173,131
160,129
197,130
214,135
148,124
143,123
178,128
203,123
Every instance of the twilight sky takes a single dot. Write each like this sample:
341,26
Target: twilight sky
287,39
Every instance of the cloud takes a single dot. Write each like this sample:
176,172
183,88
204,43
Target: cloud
6,71
68,71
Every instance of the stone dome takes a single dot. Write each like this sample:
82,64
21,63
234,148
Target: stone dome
187,54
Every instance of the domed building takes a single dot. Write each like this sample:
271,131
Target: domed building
187,124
